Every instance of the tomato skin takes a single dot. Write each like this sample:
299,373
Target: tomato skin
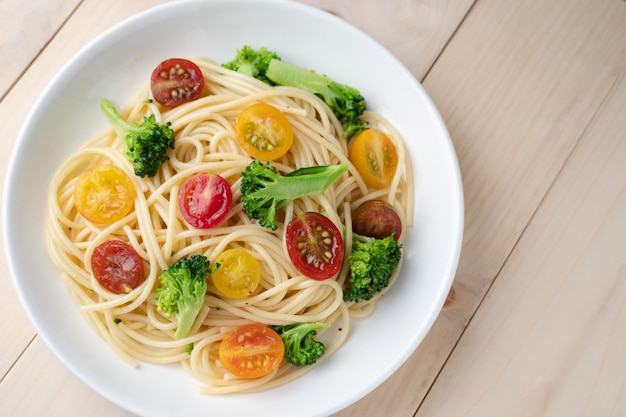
315,245
104,194
377,219
204,200
238,274
264,132
176,81
117,266
251,351
375,157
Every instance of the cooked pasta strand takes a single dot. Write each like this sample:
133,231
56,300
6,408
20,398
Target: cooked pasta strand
205,141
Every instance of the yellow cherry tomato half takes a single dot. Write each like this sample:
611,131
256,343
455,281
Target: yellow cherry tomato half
238,273
104,194
375,157
264,132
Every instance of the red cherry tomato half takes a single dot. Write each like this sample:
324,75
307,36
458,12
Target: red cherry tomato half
117,266
315,245
205,200
176,81
376,218
251,351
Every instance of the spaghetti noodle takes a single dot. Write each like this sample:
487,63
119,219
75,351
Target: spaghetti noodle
205,142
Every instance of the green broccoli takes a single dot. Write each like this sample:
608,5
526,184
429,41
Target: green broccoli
300,347
183,286
371,264
146,142
264,190
346,102
252,62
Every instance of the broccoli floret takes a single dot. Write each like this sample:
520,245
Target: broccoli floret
264,190
252,62
146,142
183,286
371,265
346,102
300,347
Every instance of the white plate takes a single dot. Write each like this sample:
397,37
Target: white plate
116,66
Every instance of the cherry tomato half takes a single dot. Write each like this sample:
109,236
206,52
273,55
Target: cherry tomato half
205,200
374,155
376,218
117,266
176,81
238,274
251,351
104,194
315,245
264,132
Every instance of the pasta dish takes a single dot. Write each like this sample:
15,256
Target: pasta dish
157,222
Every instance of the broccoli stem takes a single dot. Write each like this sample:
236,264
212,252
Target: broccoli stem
187,314
283,73
121,126
292,186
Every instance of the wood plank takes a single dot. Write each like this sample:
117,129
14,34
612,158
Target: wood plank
517,86
550,338
32,374
25,28
414,31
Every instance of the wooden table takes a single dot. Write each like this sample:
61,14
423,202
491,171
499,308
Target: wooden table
534,95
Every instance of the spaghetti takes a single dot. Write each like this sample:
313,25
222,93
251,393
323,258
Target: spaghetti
205,142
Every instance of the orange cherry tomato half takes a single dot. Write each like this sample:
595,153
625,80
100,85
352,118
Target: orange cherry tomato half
251,351
377,219
117,266
205,200
238,273
315,245
176,81
264,132
375,157
104,194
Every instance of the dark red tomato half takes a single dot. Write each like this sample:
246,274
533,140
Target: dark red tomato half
315,245
205,200
176,81
117,266
376,218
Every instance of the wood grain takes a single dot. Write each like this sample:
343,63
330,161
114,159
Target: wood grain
40,367
549,339
25,28
414,31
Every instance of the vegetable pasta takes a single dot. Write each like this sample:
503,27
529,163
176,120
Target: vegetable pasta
205,142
